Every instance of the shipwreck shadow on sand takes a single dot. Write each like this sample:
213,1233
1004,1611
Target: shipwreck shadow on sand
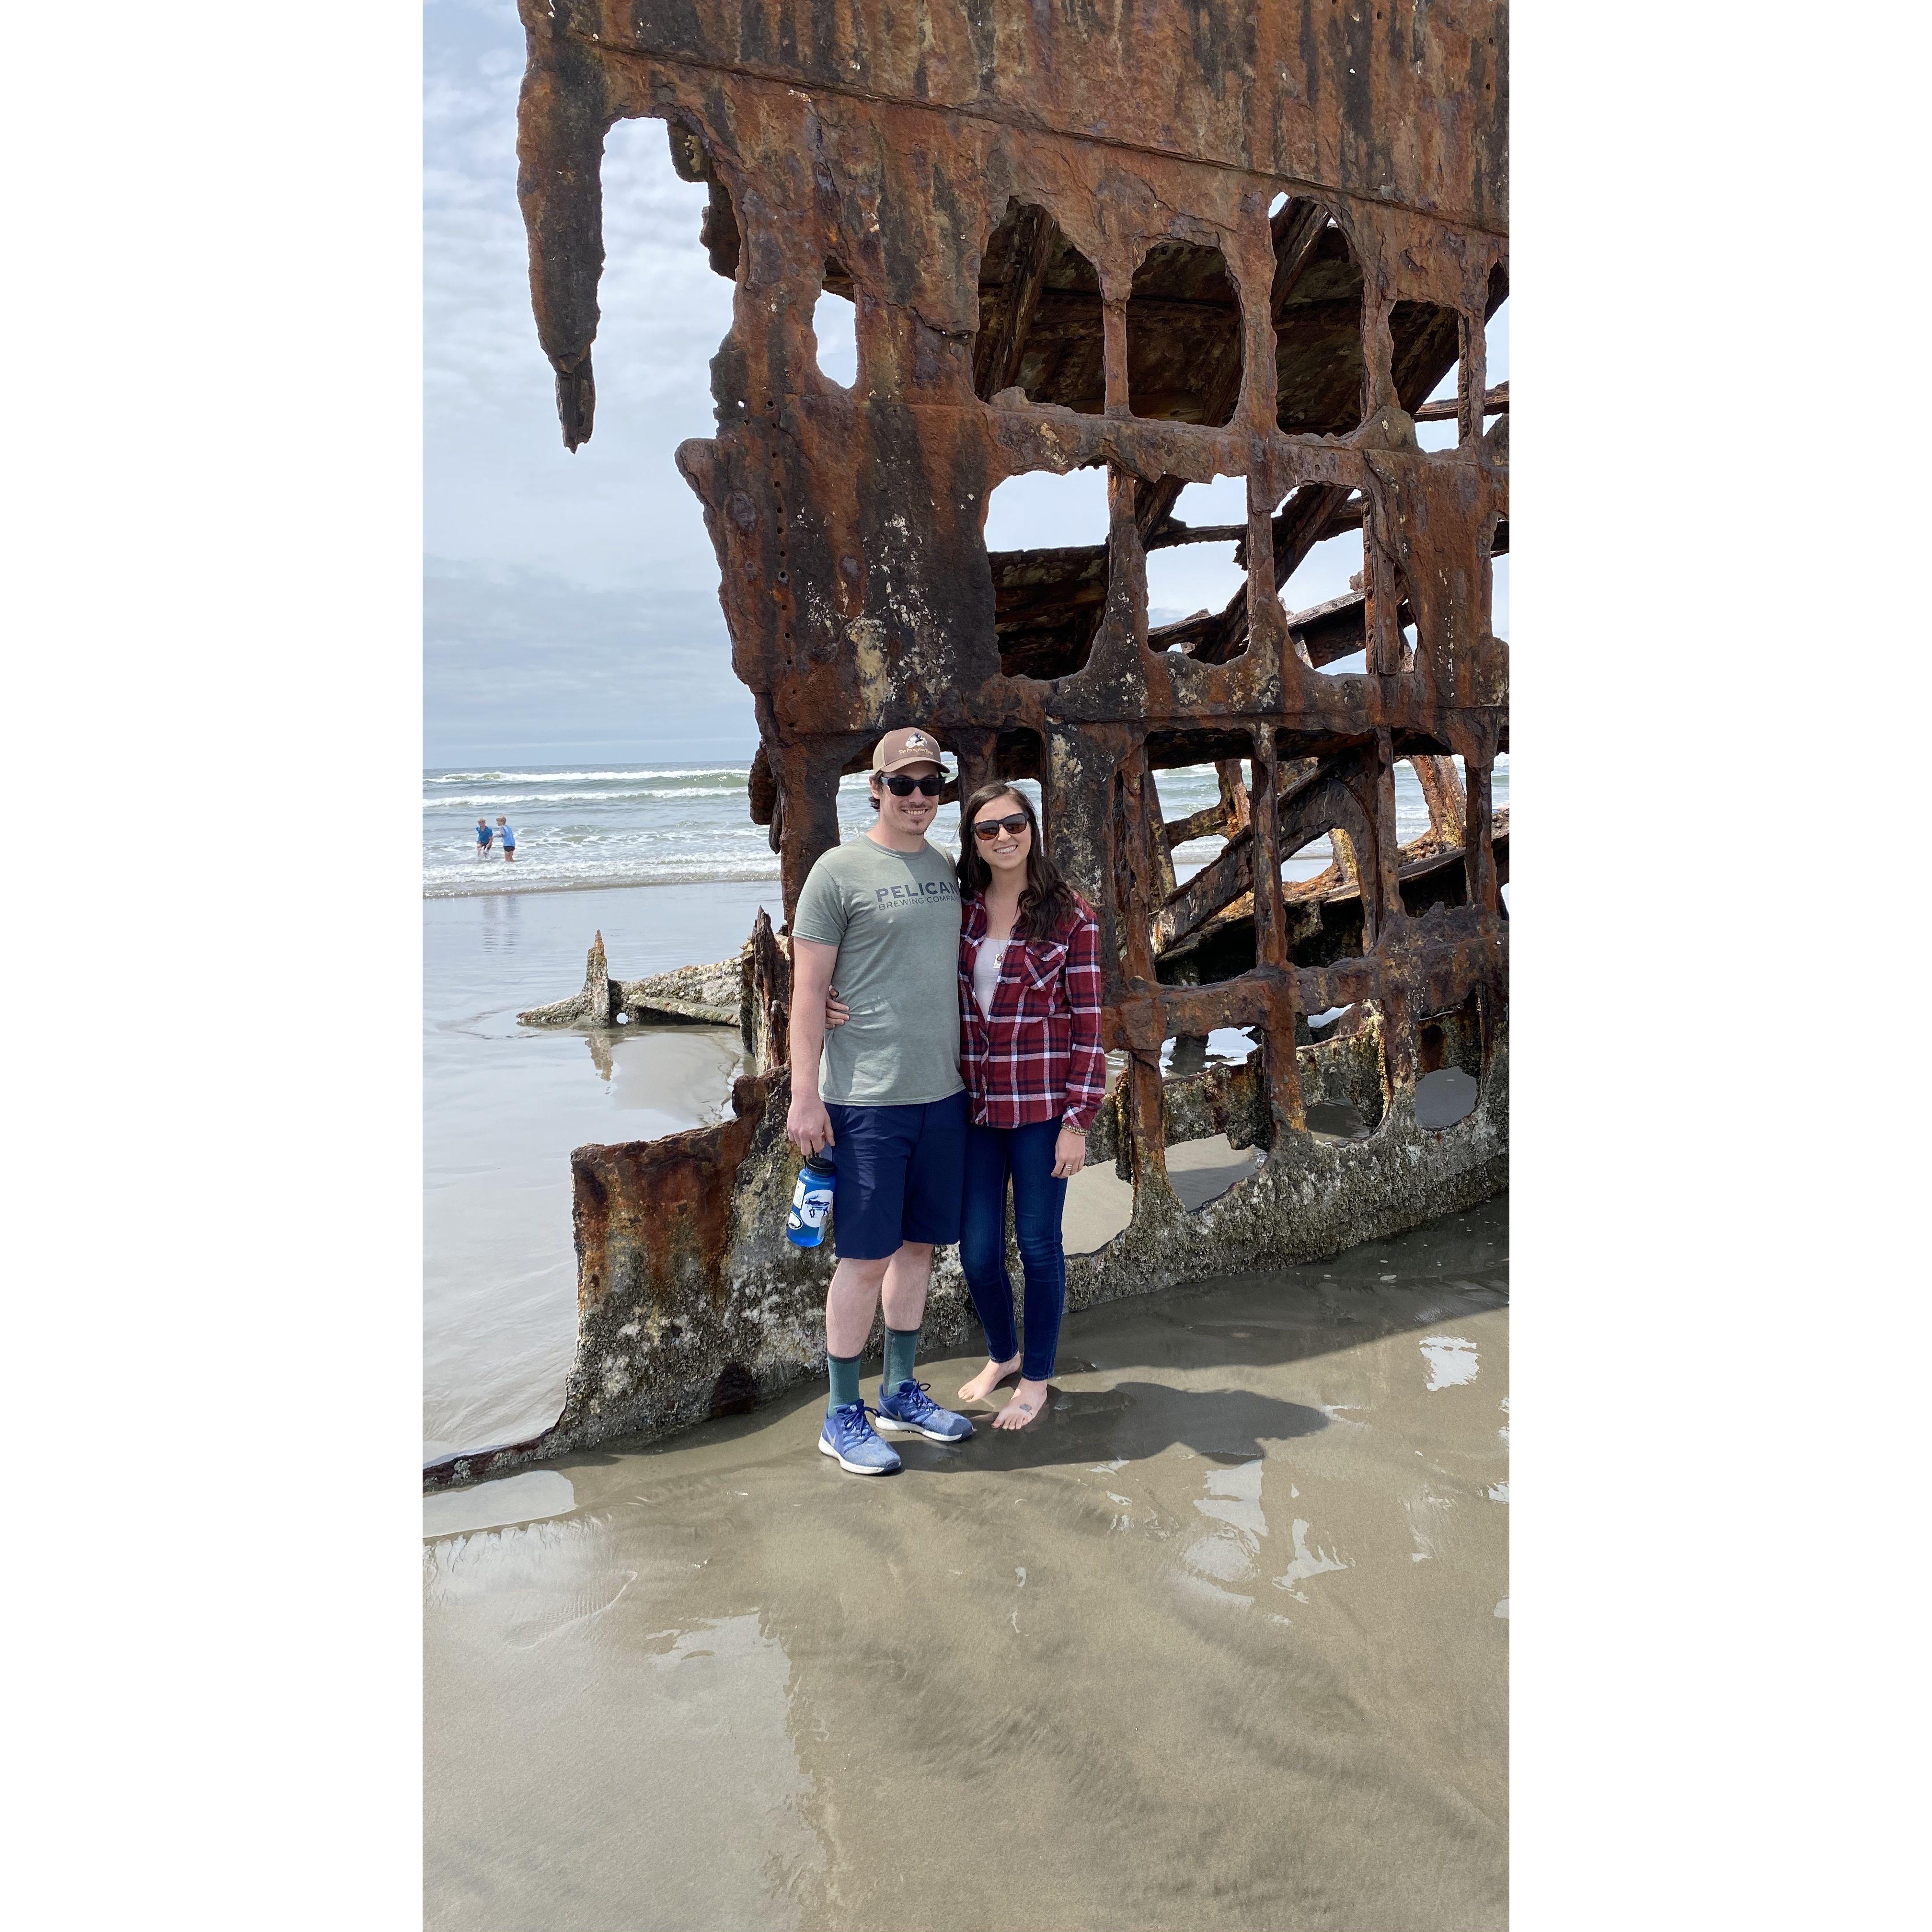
1132,1421
1231,1324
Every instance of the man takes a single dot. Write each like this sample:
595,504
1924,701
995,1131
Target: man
881,916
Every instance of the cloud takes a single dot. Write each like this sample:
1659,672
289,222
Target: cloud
528,663
578,580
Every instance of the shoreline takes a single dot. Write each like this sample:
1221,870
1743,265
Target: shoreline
499,888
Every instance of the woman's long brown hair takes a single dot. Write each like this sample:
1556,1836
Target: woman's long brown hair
1047,901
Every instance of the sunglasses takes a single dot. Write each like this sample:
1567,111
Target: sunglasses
930,787
990,829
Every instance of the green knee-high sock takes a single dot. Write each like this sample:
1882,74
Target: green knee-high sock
844,1370
902,1346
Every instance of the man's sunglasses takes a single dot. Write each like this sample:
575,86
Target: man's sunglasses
990,829
901,786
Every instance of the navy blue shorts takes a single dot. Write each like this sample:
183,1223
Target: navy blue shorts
901,1176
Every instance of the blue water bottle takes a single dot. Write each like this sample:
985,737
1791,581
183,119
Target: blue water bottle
810,1202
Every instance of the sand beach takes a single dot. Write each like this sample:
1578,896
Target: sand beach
1221,1641
1228,1628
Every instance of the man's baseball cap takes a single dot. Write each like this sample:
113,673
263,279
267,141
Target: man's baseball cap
909,747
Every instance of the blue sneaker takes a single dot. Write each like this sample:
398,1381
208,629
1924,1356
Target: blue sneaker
909,1408
849,1436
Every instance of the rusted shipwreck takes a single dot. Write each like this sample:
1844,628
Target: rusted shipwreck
1216,238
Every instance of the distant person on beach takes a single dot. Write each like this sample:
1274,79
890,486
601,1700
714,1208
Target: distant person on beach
483,836
880,916
506,833
1029,997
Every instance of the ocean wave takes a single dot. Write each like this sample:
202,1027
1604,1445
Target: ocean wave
495,777
483,801
461,887
457,844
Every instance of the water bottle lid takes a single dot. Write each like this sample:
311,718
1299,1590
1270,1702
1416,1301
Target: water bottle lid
817,1164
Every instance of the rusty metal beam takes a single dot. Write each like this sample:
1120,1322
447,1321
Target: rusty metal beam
1002,338
1495,402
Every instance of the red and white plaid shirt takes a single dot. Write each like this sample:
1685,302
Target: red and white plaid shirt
1038,1056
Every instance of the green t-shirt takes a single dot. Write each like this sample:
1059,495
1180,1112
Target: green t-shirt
895,919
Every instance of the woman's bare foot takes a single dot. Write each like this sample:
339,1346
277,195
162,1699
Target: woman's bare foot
987,1380
1029,1398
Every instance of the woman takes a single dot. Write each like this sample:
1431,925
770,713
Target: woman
1030,1053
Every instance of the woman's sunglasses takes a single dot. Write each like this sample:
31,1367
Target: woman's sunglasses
930,786
990,829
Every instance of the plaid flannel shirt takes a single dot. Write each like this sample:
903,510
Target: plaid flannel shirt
1038,1055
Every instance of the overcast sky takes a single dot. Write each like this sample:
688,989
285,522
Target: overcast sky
570,602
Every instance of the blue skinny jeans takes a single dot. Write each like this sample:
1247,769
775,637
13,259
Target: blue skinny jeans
1024,1155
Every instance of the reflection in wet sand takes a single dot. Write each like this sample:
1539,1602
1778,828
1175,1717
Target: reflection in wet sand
1307,1563
1451,1360
1165,1656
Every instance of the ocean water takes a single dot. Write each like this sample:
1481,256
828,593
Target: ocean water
586,826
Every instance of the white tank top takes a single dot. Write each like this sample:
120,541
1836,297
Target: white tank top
986,962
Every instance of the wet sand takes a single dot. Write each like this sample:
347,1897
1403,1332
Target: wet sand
1221,1642
503,1105
1099,1203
